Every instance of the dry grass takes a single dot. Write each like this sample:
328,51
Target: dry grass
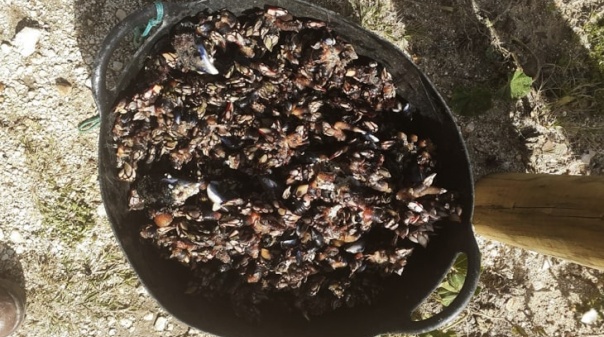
381,17
568,74
83,272
85,285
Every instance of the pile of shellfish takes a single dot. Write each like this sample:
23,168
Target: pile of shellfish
275,162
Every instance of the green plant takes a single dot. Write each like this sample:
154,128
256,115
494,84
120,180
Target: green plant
518,86
66,213
63,204
448,290
595,36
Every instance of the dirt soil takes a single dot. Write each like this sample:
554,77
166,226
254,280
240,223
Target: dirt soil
55,239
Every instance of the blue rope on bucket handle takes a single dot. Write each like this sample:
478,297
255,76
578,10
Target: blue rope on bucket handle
159,7
138,36
94,121
89,123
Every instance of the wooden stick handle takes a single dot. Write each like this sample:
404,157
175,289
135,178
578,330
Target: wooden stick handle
561,216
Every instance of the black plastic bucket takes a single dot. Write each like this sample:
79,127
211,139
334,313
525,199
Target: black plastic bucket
166,280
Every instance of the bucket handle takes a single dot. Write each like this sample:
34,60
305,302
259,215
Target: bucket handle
104,98
470,248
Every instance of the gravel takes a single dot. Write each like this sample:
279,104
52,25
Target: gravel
55,239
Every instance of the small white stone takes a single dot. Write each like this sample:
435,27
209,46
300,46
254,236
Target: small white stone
101,211
590,317
561,149
5,48
538,285
546,265
1,235
50,53
120,14
37,60
15,237
586,158
117,65
112,332
470,127
125,323
56,248
160,323
88,83
548,146
42,73
26,40
141,290
148,316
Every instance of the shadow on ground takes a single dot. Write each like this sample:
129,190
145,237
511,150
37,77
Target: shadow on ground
10,266
540,39
465,44
461,44
480,43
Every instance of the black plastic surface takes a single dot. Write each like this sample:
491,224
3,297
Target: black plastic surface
166,280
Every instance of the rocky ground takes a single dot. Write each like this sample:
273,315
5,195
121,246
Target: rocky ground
54,235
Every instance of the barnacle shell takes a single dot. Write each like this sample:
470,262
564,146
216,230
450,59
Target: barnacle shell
270,158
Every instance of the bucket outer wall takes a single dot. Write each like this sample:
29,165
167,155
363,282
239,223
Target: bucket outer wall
166,280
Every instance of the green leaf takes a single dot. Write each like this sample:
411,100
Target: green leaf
456,281
477,291
446,298
461,263
448,287
519,85
448,290
471,101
